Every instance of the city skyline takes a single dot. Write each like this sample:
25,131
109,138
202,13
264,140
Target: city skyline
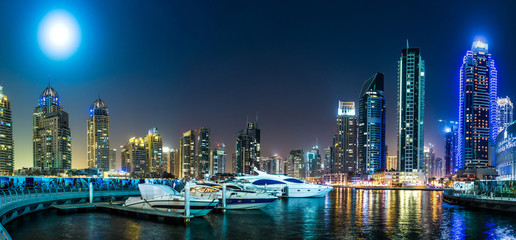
340,77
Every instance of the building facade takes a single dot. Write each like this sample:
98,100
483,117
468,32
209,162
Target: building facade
98,135
345,141
296,164
506,153
187,156
218,159
477,107
391,163
271,165
134,156
112,160
51,136
371,126
411,106
450,150
203,152
313,162
6,136
247,154
154,148
505,112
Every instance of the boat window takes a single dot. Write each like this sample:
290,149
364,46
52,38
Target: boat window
266,181
293,180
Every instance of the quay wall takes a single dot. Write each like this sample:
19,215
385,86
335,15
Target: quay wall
498,204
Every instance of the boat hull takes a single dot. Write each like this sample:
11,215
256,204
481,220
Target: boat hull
198,208
247,204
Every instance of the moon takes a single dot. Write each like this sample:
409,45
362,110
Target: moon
59,35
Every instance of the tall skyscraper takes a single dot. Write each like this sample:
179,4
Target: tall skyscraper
505,113
134,156
477,107
429,161
450,150
187,155
98,135
203,152
112,160
313,162
51,136
154,148
296,163
346,139
371,126
328,160
6,133
391,163
218,159
271,165
248,148
411,106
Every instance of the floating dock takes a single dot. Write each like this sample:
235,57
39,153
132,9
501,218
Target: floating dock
148,214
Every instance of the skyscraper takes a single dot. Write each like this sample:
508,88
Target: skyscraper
391,163
112,160
313,162
154,148
6,131
505,113
450,150
187,155
371,126
98,135
296,163
51,136
134,156
328,160
346,139
248,148
203,152
218,159
477,107
411,105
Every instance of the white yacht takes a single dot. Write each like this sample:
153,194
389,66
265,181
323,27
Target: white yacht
289,186
165,198
236,198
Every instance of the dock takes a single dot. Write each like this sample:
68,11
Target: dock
147,214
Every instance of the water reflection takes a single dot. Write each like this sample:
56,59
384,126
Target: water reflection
345,213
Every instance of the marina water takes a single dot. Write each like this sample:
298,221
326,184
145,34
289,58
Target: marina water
345,213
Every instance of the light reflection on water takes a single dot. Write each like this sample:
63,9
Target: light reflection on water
345,213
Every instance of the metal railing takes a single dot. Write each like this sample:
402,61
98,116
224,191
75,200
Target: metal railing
11,195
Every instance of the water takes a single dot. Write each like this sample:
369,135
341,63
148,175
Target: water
343,214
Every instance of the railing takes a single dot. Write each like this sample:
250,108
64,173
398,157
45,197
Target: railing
10,195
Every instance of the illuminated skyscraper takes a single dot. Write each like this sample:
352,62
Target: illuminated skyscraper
371,126
248,148
313,162
203,152
112,160
187,155
505,112
134,156
98,136
6,136
391,163
411,105
154,147
345,142
477,107
218,160
51,137
450,150
296,164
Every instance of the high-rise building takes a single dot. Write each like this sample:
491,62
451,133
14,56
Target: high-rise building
134,156
328,160
187,155
313,162
391,163
154,148
429,159
51,136
218,159
346,139
203,152
296,163
112,160
6,136
450,150
505,112
477,107
248,148
271,165
371,126
98,135
411,106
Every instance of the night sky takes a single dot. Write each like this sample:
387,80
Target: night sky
179,65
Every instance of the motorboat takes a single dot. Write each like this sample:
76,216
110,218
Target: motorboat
164,198
288,186
236,197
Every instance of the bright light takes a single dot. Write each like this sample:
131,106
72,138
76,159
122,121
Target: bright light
59,35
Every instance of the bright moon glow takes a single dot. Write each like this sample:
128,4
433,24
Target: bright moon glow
59,35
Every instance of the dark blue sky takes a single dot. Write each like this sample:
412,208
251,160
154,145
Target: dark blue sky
178,65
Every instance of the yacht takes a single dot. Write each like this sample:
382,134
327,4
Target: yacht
288,186
165,198
236,197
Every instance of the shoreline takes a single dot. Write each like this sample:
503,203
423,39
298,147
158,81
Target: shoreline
392,188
